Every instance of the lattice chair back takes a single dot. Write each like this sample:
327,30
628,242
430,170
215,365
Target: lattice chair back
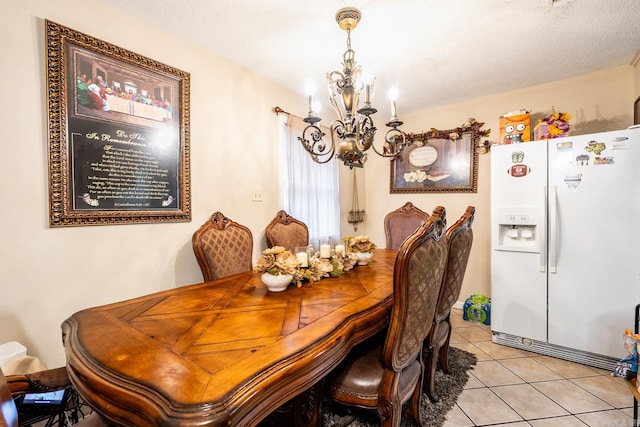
387,370
286,231
459,240
222,247
418,274
401,223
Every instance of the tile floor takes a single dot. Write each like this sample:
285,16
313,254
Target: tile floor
515,388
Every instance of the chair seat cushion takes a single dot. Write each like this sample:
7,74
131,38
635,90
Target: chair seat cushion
357,379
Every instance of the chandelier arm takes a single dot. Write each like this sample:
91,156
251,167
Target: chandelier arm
337,79
319,150
395,141
338,127
365,131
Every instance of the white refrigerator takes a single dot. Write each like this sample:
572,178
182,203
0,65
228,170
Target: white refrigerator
565,256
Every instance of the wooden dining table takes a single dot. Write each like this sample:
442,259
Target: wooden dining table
226,352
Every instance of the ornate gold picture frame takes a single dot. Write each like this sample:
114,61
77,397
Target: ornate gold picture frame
118,134
438,161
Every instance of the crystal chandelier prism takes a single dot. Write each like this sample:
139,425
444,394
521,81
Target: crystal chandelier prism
353,132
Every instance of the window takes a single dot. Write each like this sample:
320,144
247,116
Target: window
310,191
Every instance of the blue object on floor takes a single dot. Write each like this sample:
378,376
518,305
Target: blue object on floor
477,308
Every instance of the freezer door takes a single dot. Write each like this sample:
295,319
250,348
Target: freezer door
594,283
518,268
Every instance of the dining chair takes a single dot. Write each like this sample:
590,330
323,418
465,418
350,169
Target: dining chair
14,386
8,410
401,223
459,238
286,231
387,370
222,247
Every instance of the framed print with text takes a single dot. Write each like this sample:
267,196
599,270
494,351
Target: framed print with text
118,134
438,161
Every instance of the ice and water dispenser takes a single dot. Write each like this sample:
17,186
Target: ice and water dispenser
518,229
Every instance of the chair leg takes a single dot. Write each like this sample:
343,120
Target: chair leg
415,404
443,354
429,380
390,413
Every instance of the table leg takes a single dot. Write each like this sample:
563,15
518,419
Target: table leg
304,410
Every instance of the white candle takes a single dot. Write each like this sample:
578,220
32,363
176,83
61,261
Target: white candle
340,250
310,104
325,251
367,93
303,259
393,108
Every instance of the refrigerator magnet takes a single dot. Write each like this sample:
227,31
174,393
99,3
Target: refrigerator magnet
573,181
598,160
595,147
518,171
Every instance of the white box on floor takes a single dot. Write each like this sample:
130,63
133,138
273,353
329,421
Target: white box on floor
12,350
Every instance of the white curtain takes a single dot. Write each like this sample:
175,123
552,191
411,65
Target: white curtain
310,191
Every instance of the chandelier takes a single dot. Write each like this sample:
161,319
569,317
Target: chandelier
353,132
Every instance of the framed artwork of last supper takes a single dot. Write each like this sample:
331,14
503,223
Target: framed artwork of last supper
118,134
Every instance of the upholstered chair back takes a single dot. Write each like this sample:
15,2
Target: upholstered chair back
459,240
418,273
222,247
401,223
387,370
286,231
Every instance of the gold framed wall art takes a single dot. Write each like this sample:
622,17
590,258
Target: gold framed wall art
118,134
438,161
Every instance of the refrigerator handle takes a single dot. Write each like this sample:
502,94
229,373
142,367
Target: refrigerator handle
553,228
543,231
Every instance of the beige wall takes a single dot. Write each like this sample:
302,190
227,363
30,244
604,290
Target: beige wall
48,274
598,102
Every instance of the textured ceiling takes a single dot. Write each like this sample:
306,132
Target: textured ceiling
435,52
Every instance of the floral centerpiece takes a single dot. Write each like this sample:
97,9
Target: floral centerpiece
278,266
320,267
362,246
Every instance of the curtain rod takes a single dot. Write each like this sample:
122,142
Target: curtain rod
280,110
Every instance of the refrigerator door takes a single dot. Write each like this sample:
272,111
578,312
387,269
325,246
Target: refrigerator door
594,235
518,221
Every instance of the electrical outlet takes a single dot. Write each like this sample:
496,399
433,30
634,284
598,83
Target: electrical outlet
256,195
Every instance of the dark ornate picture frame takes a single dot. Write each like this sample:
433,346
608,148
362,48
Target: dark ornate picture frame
438,161
118,134
636,111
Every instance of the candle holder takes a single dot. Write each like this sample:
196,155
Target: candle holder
326,244
302,255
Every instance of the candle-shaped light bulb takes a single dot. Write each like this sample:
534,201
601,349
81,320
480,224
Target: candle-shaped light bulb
393,95
367,93
316,107
309,89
